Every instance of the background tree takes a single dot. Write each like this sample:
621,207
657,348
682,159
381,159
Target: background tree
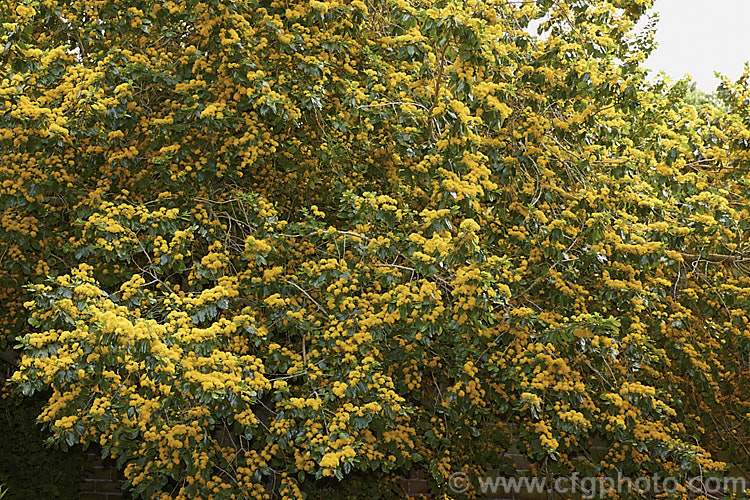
251,246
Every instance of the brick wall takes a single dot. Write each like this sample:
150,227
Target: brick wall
415,484
102,482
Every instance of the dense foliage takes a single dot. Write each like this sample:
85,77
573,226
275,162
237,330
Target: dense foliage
28,469
257,248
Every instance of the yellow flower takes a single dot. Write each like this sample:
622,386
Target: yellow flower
469,226
330,460
25,12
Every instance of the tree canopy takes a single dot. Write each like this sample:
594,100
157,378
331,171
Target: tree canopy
271,249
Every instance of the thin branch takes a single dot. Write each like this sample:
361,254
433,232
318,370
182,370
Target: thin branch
714,258
295,285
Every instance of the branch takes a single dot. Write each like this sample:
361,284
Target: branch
322,309
9,356
314,233
714,258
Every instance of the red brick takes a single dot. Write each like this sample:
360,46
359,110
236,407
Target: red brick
97,461
92,496
531,495
107,474
87,487
417,486
416,474
107,486
522,461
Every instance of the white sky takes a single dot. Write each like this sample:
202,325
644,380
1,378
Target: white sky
701,36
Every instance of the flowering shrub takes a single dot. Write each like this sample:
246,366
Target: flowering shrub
257,248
